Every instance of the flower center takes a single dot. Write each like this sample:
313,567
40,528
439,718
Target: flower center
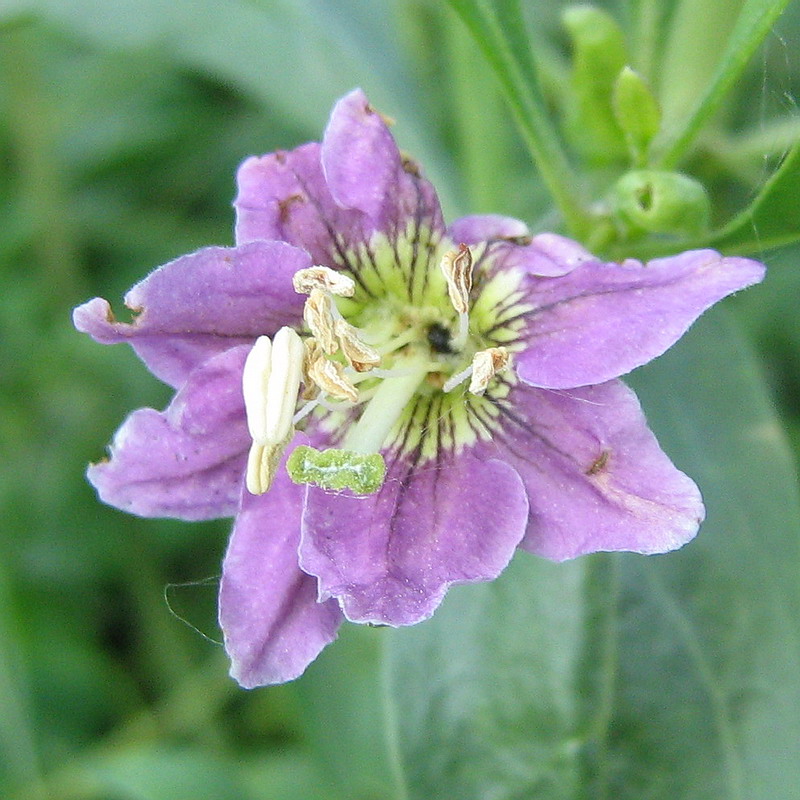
395,333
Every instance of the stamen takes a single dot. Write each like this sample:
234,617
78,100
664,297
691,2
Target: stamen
457,268
270,385
255,376
304,280
358,353
283,385
262,466
329,376
463,331
485,365
318,315
311,352
306,409
456,379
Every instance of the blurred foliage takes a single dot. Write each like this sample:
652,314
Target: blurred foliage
121,125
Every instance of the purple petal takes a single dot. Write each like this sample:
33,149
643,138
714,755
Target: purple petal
595,475
390,557
546,255
359,156
365,171
202,304
268,610
284,196
603,320
364,187
189,460
476,228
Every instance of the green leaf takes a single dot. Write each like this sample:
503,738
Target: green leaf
598,56
636,112
341,710
499,33
485,692
167,773
689,97
673,677
773,218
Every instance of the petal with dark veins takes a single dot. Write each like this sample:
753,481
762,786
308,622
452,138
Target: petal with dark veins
600,321
389,558
595,476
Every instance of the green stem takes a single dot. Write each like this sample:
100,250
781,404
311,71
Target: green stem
647,25
533,123
699,32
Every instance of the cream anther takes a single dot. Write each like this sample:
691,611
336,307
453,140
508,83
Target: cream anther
358,353
457,268
319,316
311,352
262,465
270,387
485,365
283,385
304,280
329,376
255,377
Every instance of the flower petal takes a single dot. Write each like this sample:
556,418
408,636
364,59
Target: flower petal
595,475
268,610
475,228
546,255
389,558
284,196
189,460
603,320
365,171
201,304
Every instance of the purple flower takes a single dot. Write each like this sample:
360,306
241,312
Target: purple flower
481,363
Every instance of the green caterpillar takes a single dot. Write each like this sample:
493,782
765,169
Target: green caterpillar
363,473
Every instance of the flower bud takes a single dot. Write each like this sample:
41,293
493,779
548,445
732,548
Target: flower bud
662,202
598,56
636,112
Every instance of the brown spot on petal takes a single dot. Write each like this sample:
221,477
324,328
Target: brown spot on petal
409,165
387,120
523,241
599,464
285,205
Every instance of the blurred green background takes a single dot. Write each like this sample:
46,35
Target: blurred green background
121,126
